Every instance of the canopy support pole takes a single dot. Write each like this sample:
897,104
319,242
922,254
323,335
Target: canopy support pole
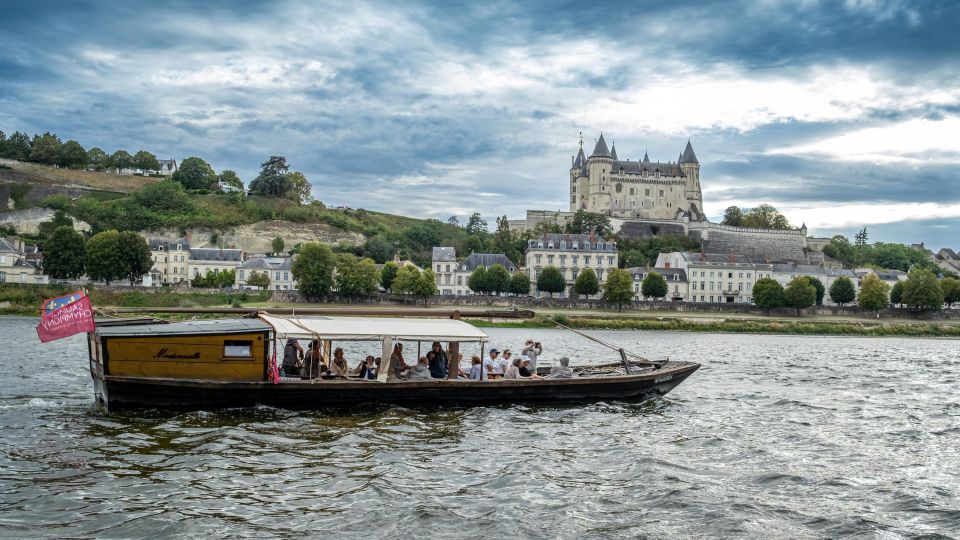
453,353
385,361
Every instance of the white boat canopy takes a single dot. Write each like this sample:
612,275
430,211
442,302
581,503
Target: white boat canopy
372,328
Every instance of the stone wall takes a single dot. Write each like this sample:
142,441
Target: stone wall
761,244
647,229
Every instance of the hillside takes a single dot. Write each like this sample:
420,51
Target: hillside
30,193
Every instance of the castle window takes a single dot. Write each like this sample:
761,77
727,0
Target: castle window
661,193
646,192
619,187
631,191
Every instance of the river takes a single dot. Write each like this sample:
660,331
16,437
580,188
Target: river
775,437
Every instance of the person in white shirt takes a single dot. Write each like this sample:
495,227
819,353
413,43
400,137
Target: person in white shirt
490,364
504,362
532,350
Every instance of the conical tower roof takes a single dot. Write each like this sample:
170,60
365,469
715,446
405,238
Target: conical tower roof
613,150
688,155
601,149
646,158
581,159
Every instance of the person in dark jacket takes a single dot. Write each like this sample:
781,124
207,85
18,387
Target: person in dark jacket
438,361
292,358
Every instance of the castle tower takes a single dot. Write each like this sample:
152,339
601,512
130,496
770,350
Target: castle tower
691,169
599,166
578,180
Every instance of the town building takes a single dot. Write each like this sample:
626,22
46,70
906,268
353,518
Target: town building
890,277
676,278
948,260
717,277
570,253
171,261
206,260
276,268
14,266
452,276
167,166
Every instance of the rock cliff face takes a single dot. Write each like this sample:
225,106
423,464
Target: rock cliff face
28,221
257,238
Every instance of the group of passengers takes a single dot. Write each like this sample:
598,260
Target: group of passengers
311,364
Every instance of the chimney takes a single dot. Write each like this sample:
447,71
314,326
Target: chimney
732,257
666,265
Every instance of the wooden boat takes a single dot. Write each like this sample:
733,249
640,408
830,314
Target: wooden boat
229,363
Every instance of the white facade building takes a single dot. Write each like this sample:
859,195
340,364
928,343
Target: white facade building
717,278
570,253
171,262
206,260
14,266
452,275
276,268
784,273
676,278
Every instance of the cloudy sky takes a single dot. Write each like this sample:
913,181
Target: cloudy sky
842,114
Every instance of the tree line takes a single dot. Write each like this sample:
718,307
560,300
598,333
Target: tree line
108,256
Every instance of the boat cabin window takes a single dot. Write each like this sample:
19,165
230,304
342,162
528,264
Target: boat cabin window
238,349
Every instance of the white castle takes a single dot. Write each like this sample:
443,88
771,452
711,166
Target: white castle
642,189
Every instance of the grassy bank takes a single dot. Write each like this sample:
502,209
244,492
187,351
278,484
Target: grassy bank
16,300
812,327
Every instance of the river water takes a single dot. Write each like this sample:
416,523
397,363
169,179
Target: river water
775,437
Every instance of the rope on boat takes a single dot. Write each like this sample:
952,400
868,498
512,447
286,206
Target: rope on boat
595,340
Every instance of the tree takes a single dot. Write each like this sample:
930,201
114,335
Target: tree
259,279
896,294
768,294
860,239
17,147
477,282
407,280
195,173
230,178
98,159
765,216
800,293
426,285
821,290
874,294
520,284
551,281
72,155
272,180
134,256
379,249
505,241
840,248
221,280
476,224
733,216
653,286
951,290
355,277
387,274
842,291
618,288
277,245
584,222
586,283
45,149
64,254
104,261
298,188
313,269
453,220
922,291
145,161
497,279
166,197
121,159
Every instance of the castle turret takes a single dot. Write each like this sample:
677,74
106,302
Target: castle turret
691,170
578,180
613,151
599,166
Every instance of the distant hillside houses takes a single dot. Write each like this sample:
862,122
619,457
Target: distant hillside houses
20,263
175,262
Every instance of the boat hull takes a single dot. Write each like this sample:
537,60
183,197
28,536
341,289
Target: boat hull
137,392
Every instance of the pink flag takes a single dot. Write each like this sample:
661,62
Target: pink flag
66,321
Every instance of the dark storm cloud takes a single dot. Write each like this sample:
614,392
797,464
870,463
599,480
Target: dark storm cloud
439,107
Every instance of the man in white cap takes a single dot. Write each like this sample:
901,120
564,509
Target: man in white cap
532,350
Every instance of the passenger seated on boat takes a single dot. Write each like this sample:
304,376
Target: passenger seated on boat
438,361
374,369
513,372
362,368
339,368
490,365
504,362
476,368
292,358
525,369
398,367
421,371
562,371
